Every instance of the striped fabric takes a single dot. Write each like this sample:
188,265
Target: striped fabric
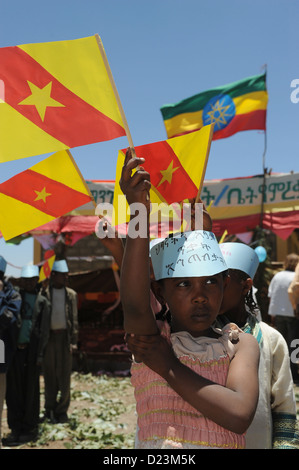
165,420
234,107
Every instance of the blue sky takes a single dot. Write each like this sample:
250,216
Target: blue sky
162,51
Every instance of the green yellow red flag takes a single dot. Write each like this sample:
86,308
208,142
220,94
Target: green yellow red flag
238,106
57,95
46,268
47,190
176,166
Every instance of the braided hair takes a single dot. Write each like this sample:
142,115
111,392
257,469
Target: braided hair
240,276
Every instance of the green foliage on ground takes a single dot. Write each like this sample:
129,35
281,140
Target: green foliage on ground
95,425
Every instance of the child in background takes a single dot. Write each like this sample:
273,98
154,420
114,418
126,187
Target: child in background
274,424
195,386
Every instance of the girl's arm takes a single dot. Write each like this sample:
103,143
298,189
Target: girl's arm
232,406
135,270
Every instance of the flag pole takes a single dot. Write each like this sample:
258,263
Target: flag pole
264,180
265,133
123,116
223,236
197,199
264,165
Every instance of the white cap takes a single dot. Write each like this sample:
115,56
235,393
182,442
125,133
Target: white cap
188,254
30,271
154,242
60,266
240,256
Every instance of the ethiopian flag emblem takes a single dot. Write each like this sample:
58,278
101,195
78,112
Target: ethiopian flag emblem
235,107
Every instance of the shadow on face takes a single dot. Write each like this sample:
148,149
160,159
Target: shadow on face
29,284
58,280
235,290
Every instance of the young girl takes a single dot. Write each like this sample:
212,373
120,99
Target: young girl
274,423
195,386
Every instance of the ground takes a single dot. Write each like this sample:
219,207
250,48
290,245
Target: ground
102,416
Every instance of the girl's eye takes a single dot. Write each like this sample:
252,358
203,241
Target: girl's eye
183,284
211,280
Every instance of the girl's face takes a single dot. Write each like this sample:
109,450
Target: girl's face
194,302
235,292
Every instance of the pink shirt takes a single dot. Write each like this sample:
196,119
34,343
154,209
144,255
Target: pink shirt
165,420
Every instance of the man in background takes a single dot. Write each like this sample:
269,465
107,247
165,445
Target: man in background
62,340
10,305
281,309
23,376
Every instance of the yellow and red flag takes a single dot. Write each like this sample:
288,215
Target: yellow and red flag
47,190
57,95
46,268
176,166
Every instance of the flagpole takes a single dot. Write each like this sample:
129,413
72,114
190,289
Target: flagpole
123,116
265,134
205,164
264,166
264,181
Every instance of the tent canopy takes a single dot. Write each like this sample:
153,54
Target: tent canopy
235,205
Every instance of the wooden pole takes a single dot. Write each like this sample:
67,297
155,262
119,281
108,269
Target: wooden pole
123,116
205,165
223,236
264,168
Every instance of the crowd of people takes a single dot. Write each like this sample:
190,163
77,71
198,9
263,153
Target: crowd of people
207,371
39,330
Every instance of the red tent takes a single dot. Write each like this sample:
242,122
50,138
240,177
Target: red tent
237,205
